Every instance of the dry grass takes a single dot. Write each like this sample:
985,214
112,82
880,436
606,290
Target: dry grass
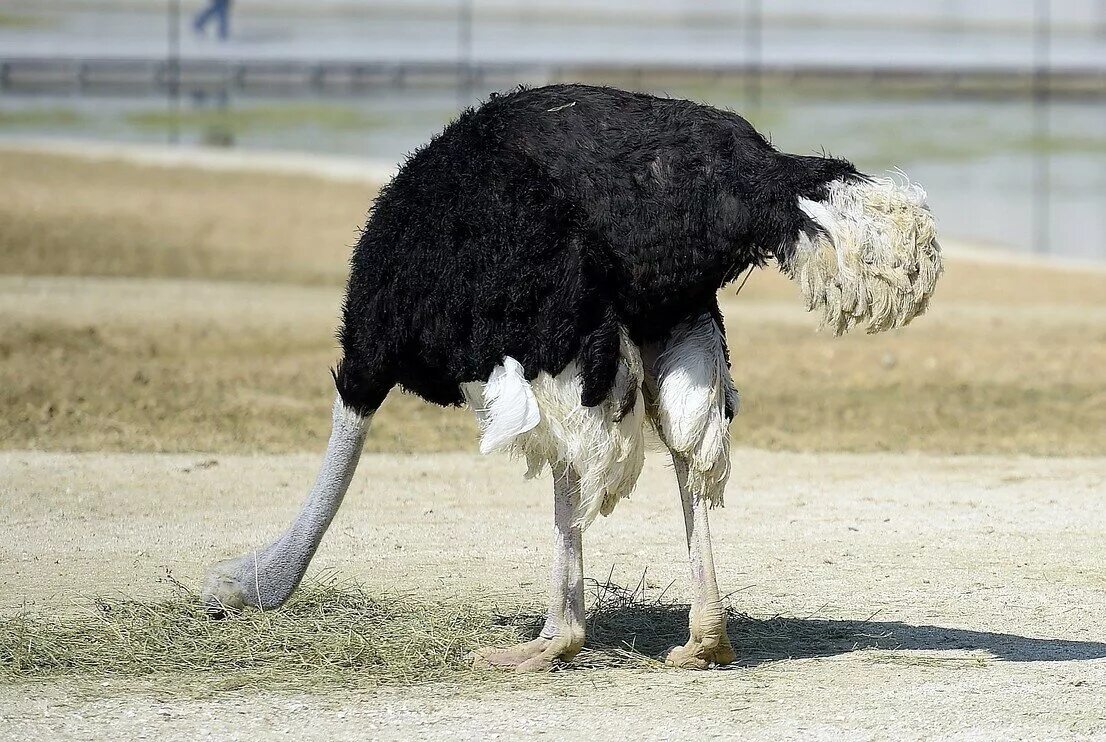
328,634
181,383
335,635
64,217
1011,359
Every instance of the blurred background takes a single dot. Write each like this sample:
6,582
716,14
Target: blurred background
181,182
997,106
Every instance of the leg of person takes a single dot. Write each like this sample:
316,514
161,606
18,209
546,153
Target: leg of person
224,18
200,21
563,634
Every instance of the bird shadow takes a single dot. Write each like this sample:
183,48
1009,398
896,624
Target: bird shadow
624,630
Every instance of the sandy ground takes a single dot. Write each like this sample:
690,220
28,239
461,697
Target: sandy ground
165,309
981,576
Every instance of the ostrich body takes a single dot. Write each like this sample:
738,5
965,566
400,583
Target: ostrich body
551,259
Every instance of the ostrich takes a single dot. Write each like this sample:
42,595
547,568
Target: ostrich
552,259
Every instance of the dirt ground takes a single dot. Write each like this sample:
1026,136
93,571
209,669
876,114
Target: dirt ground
979,577
165,335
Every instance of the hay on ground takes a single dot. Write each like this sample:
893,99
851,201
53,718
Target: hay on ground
335,635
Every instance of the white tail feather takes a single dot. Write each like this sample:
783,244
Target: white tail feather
509,407
877,261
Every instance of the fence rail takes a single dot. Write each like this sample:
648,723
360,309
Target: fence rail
145,75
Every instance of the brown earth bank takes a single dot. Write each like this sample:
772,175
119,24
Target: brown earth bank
173,309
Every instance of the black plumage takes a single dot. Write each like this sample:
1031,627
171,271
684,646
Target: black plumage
538,224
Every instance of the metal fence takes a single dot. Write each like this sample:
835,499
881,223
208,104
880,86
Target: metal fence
1039,61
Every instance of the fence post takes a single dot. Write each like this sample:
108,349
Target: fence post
1042,157
464,52
173,69
753,28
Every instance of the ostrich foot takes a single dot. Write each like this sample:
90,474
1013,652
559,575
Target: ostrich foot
532,656
699,654
509,656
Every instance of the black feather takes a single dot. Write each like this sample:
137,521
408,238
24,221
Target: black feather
537,224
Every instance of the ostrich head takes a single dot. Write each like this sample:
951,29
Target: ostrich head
867,253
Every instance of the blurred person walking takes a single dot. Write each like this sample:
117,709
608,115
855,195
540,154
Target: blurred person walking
219,9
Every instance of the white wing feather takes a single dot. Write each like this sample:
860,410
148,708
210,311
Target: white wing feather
510,408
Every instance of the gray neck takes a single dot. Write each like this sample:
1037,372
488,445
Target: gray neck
281,565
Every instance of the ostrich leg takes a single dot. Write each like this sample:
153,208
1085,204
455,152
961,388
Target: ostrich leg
563,634
708,643
691,399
